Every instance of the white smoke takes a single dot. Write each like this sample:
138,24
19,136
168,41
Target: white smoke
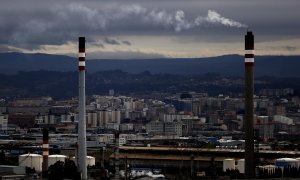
136,15
64,23
214,17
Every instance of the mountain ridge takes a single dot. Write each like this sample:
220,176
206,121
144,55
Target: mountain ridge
232,64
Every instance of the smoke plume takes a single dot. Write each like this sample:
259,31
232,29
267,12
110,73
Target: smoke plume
62,24
137,17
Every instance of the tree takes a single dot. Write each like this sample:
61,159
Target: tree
71,170
56,171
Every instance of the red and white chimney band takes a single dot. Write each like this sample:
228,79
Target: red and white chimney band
45,148
45,145
249,56
249,48
81,54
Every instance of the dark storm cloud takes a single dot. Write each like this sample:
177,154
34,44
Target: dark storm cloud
58,24
126,43
5,48
291,48
32,23
288,48
125,55
111,41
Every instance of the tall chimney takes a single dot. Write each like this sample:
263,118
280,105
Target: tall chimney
45,150
81,123
249,111
117,163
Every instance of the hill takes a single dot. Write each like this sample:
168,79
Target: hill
278,66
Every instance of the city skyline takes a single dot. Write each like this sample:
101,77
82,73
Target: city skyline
138,29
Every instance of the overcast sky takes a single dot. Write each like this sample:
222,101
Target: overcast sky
126,29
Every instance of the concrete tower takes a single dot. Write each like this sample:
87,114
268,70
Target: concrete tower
82,122
249,111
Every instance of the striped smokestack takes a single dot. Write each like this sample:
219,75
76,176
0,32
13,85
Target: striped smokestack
81,122
249,111
45,150
117,163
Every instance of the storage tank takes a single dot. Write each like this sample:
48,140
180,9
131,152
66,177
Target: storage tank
286,162
90,161
241,165
32,161
270,168
298,159
228,164
52,159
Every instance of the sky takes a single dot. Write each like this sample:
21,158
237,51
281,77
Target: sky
146,29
